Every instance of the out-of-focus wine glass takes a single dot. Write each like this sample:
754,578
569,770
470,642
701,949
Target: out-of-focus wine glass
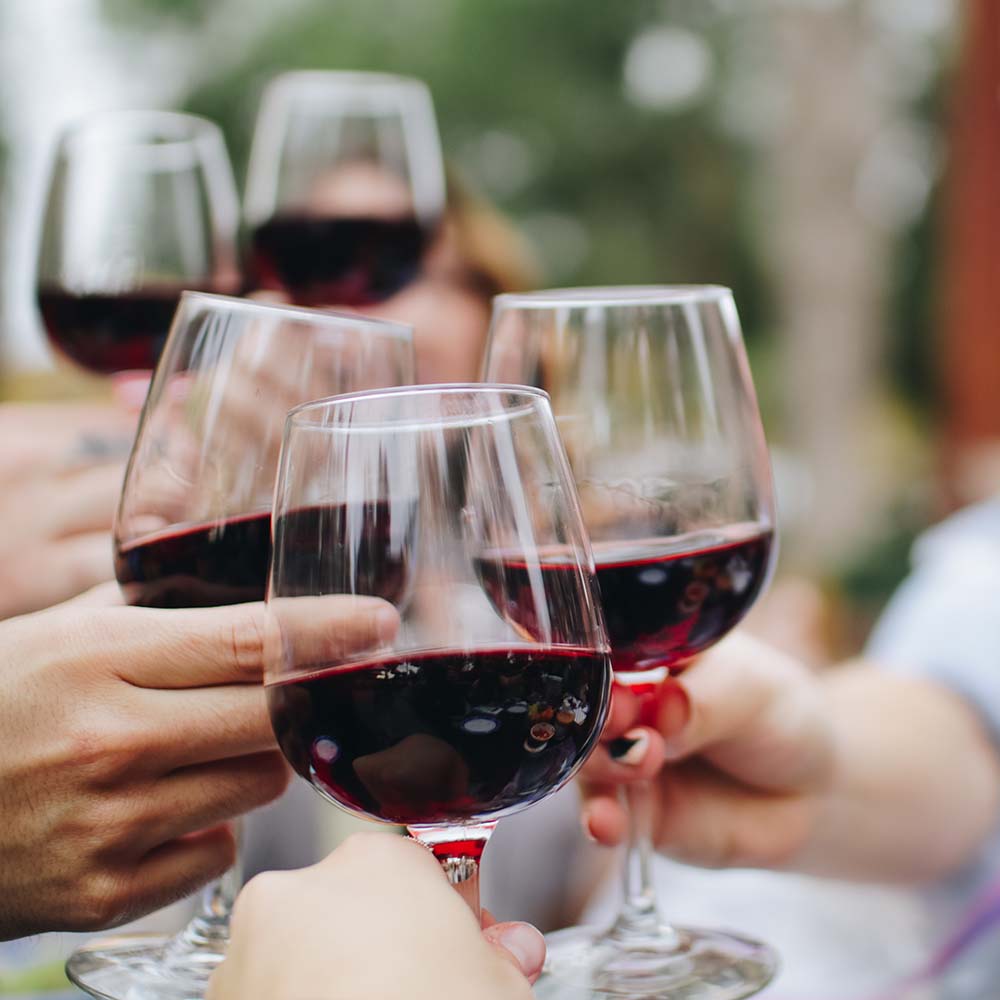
450,716
194,524
655,403
141,205
345,187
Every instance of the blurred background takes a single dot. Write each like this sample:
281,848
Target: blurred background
816,155
833,161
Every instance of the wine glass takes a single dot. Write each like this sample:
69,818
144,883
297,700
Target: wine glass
656,406
141,204
194,523
345,186
450,715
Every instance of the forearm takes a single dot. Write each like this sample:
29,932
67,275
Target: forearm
915,785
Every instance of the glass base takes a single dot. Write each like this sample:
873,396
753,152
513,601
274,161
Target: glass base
681,963
145,967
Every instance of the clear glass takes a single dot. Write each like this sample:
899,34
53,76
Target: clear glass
193,525
345,186
440,506
655,403
141,205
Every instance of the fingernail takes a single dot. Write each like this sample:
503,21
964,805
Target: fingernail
630,748
527,946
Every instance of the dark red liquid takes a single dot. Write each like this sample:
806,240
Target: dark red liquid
226,562
198,567
337,261
664,600
444,737
109,333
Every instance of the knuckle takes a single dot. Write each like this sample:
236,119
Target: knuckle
246,643
102,901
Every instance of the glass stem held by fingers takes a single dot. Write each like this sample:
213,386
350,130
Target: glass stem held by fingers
653,396
194,529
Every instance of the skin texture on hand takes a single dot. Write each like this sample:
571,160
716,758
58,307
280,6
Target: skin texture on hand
852,772
61,468
131,737
376,919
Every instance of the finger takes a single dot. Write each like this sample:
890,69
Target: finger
173,871
201,647
198,798
37,576
636,756
710,819
104,595
85,500
186,727
603,817
520,944
313,631
753,712
623,714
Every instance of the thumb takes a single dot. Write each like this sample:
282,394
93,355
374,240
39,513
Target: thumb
520,944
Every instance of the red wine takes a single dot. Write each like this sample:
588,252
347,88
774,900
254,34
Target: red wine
109,333
226,562
201,566
444,736
664,600
337,261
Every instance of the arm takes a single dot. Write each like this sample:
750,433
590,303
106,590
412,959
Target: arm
855,773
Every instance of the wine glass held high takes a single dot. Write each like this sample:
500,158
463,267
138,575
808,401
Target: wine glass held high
399,506
194,524
141,205
345,186
655,403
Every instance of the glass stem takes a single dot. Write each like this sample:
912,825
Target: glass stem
640,916
458,849
210,925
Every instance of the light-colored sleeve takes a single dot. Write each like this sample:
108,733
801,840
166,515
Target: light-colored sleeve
943,623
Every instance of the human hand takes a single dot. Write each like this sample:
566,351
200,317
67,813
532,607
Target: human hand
749,749
131,736
376,918
61,468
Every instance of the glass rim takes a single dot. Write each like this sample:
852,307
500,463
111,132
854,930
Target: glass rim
181,128
612,296
339,79
402,331
296,415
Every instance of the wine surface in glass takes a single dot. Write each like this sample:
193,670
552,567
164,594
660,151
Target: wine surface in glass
108,333
338,260
665,600
226,561
445,736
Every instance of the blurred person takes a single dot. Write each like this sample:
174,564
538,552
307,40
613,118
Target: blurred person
116,777
883,770
406,933
61,467
473,254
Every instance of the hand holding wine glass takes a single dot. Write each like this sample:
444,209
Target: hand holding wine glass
656,406
749,741
194,522
437,952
